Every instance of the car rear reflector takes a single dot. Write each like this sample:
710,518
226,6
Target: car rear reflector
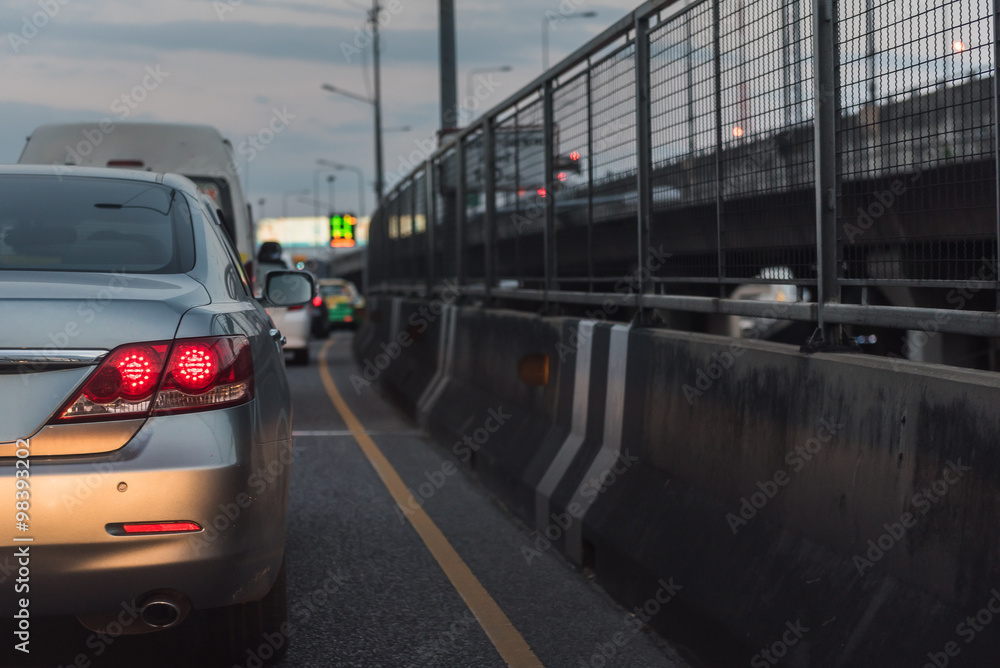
142,379
153,527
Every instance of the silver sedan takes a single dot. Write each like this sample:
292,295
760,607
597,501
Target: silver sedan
145,416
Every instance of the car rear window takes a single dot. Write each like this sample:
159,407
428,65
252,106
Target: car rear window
60,223
333,290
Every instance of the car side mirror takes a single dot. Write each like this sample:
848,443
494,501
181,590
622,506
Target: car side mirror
288,288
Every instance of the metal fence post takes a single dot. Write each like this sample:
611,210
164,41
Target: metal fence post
996,131
430,213
717,75
550,199
490,217
827,109
590,176
460,213
644,155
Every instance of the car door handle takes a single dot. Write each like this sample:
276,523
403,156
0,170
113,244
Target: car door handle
276,335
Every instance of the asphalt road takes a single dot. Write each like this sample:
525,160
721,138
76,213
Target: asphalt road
364,589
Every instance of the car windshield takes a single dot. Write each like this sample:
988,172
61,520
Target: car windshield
333,290
58,223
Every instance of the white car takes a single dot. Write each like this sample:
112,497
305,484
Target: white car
294,322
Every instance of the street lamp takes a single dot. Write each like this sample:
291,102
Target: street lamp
481,70
284,200
376,103
546,21
361,181
316,189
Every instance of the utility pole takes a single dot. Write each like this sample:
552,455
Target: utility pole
449,75
379,173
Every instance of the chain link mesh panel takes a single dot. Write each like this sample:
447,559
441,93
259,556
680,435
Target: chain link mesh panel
916,142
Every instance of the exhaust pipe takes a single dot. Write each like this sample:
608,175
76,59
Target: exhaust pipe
157,610
162,610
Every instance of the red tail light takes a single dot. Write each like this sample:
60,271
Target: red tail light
161,527
137,380
317,301
297,308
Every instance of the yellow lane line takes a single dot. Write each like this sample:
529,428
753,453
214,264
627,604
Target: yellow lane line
512,647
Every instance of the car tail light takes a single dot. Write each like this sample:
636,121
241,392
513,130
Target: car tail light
206,373
122,387
348,318
140,528
161,378
317,301
297,308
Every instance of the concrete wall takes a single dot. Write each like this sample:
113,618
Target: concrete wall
833,510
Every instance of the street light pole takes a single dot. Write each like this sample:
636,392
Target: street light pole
361,181
379,174
284,200
481,70
546,21
329,185
449,78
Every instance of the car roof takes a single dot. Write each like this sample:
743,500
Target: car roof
172,180
162,147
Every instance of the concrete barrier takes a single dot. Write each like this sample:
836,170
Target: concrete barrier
764,505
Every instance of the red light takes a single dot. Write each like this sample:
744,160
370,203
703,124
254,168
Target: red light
299,307
561,176
205,374
194,366
161,527
574,156
317,301
737,132
140,370
129,373
541,192
213,372
348,318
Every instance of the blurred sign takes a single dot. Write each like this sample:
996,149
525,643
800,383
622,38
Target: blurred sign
305,232
342,230
519,157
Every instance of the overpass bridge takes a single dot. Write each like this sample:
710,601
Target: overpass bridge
712,264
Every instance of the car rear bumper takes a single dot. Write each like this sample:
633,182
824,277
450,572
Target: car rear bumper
197,467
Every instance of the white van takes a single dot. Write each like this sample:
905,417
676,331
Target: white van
198,152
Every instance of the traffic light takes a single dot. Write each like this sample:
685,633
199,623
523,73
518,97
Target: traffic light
568,163
342,230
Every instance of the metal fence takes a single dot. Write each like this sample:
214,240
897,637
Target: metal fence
847,148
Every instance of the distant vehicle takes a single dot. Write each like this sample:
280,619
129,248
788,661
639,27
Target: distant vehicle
293,322
132,345
198,152
342,300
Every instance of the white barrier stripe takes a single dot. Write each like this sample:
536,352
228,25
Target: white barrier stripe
614,419
578,425
450,319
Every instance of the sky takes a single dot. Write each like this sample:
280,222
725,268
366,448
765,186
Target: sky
237,64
